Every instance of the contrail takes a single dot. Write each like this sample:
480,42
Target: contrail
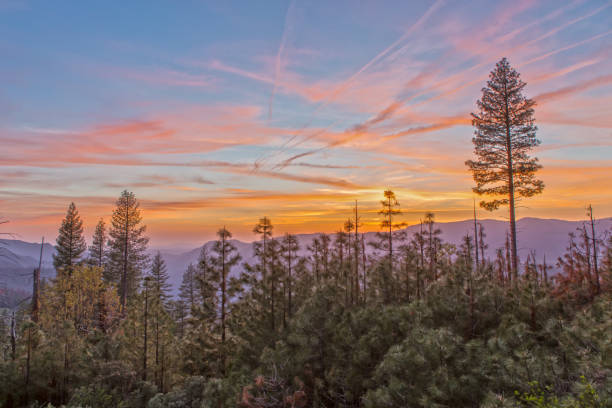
396,104
358,130
567,70
550,16
279,56
569,23
567,47
344,85
568,90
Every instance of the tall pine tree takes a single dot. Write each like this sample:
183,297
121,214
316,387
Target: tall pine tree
97,250
505,132
189,291
226,257
289,249
433,244
159,279
390,209
159,295
127,247
70,241
205,278
264,254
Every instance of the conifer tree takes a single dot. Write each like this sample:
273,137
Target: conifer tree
505,133
145,324
226,258
466,263
275,277
160,288
289,249
126,247
432,245
508,257
607,265
188,291
390,210
349,227
409,260
340,250
574,276
357,251
476,246
585,255
595,250
178,310
264,229
315,259
364,265
418,243
324,242
205,279
263,253
70,241
482,243
97,250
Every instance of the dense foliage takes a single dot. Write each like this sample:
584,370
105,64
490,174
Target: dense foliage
427,326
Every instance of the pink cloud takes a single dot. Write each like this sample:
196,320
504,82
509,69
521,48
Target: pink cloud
573,89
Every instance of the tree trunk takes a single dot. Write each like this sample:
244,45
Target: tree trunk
597,284
348,285
36,286
100,253
157,347
289,287
508,260
125,261
163,367
29,353
363,256
146,316
475,235
390,239
431,254
587,248
511,189
223,303
356,253
482,246
13,337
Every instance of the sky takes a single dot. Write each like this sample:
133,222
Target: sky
219,113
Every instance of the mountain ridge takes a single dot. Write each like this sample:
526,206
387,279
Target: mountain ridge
547,236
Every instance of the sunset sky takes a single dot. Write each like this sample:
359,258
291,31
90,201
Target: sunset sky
217,113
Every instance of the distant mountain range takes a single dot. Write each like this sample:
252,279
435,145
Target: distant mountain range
18,259
548,237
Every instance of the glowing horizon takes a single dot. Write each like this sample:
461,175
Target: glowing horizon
220,114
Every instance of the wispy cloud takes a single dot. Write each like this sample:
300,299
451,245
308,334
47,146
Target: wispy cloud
344,85
572,89
280,54
566,48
